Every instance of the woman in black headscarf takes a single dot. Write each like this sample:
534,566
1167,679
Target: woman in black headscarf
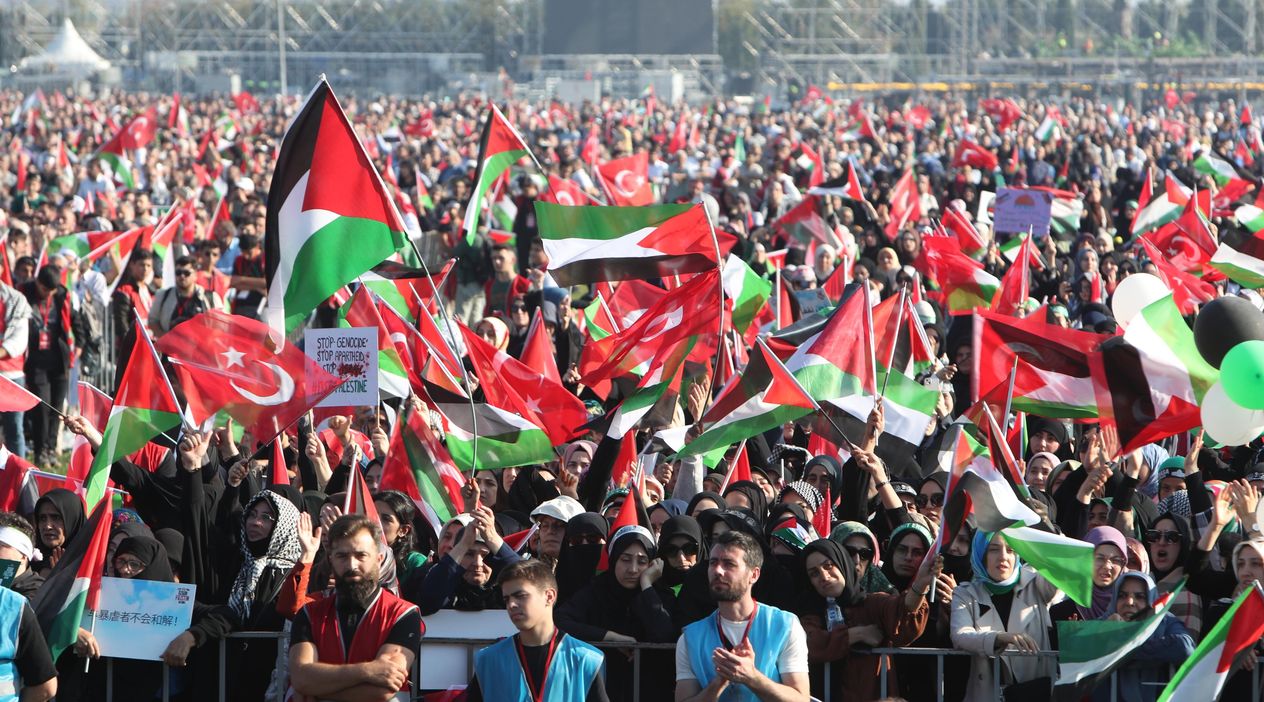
136,558
58,517
577,562
703,501
747,494
681,546
838,618
626,604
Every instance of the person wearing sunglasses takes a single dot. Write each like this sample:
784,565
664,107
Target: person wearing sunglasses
930,497
183,300
1169,541
679,543
861,544
839,618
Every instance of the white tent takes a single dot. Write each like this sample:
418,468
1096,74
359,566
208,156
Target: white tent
67,53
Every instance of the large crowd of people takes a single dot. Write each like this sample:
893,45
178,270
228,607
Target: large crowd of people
759,598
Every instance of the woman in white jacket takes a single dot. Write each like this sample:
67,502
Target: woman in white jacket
1005,607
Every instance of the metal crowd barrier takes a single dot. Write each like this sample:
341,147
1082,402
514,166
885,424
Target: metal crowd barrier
473,645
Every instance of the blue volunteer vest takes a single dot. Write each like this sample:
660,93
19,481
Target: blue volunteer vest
11,605
575,664
768,635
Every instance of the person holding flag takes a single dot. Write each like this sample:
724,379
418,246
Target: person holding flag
463,579
1005,606
539,662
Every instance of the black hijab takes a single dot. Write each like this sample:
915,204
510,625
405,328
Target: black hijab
149,551
576,564
69,506
685,526
528,491
754,495
705,495
835,470
173,541
852,594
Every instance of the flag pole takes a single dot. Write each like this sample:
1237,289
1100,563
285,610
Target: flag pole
1009,391
451,342
719,269
899,320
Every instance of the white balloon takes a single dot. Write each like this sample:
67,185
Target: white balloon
1134,293
1228,422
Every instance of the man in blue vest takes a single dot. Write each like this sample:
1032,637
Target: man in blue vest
538,663
746,650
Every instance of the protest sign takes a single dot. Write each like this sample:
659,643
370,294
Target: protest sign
1019,211
139,618
349,354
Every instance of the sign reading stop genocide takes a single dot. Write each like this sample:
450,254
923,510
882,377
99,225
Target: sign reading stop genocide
350,355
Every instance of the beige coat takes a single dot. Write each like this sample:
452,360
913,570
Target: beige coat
975,624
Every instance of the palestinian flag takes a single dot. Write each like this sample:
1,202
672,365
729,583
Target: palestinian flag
144,407
965,283
587,243
659,389
392,370
901,342
1151,381
74,584
598,320
745,292
330,217
804,226
1065,213
1088,651
1203,676
792,534
1048,130
498,150
82,243
764,396
1054,377
1016,283
1223,172
404,287
1241,253
992,499
845,186
504,439
1156,209
137,133
1063,561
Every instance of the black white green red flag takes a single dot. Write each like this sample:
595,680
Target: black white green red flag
330,217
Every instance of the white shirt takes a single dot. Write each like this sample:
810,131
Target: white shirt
793,657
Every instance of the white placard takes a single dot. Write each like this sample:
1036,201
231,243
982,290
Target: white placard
348,354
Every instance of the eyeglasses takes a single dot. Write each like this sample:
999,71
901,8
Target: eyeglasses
864,553
1100,561
128,564
1155,536
936,500
184,273
669,550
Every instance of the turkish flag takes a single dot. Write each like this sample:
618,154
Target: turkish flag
564,191
14,397
226,362
972,154
511,384
627,180
140,130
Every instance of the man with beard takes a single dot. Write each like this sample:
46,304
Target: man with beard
539,662
746,650
360,642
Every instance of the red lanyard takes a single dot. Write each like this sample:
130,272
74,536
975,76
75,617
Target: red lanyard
724,639
536,694
45,307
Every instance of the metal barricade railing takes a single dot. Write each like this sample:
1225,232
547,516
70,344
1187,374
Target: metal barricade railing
473,645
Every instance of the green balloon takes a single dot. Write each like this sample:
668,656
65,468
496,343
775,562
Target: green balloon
1242,374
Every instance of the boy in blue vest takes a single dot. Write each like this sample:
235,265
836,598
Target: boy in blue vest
746,650
538,663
